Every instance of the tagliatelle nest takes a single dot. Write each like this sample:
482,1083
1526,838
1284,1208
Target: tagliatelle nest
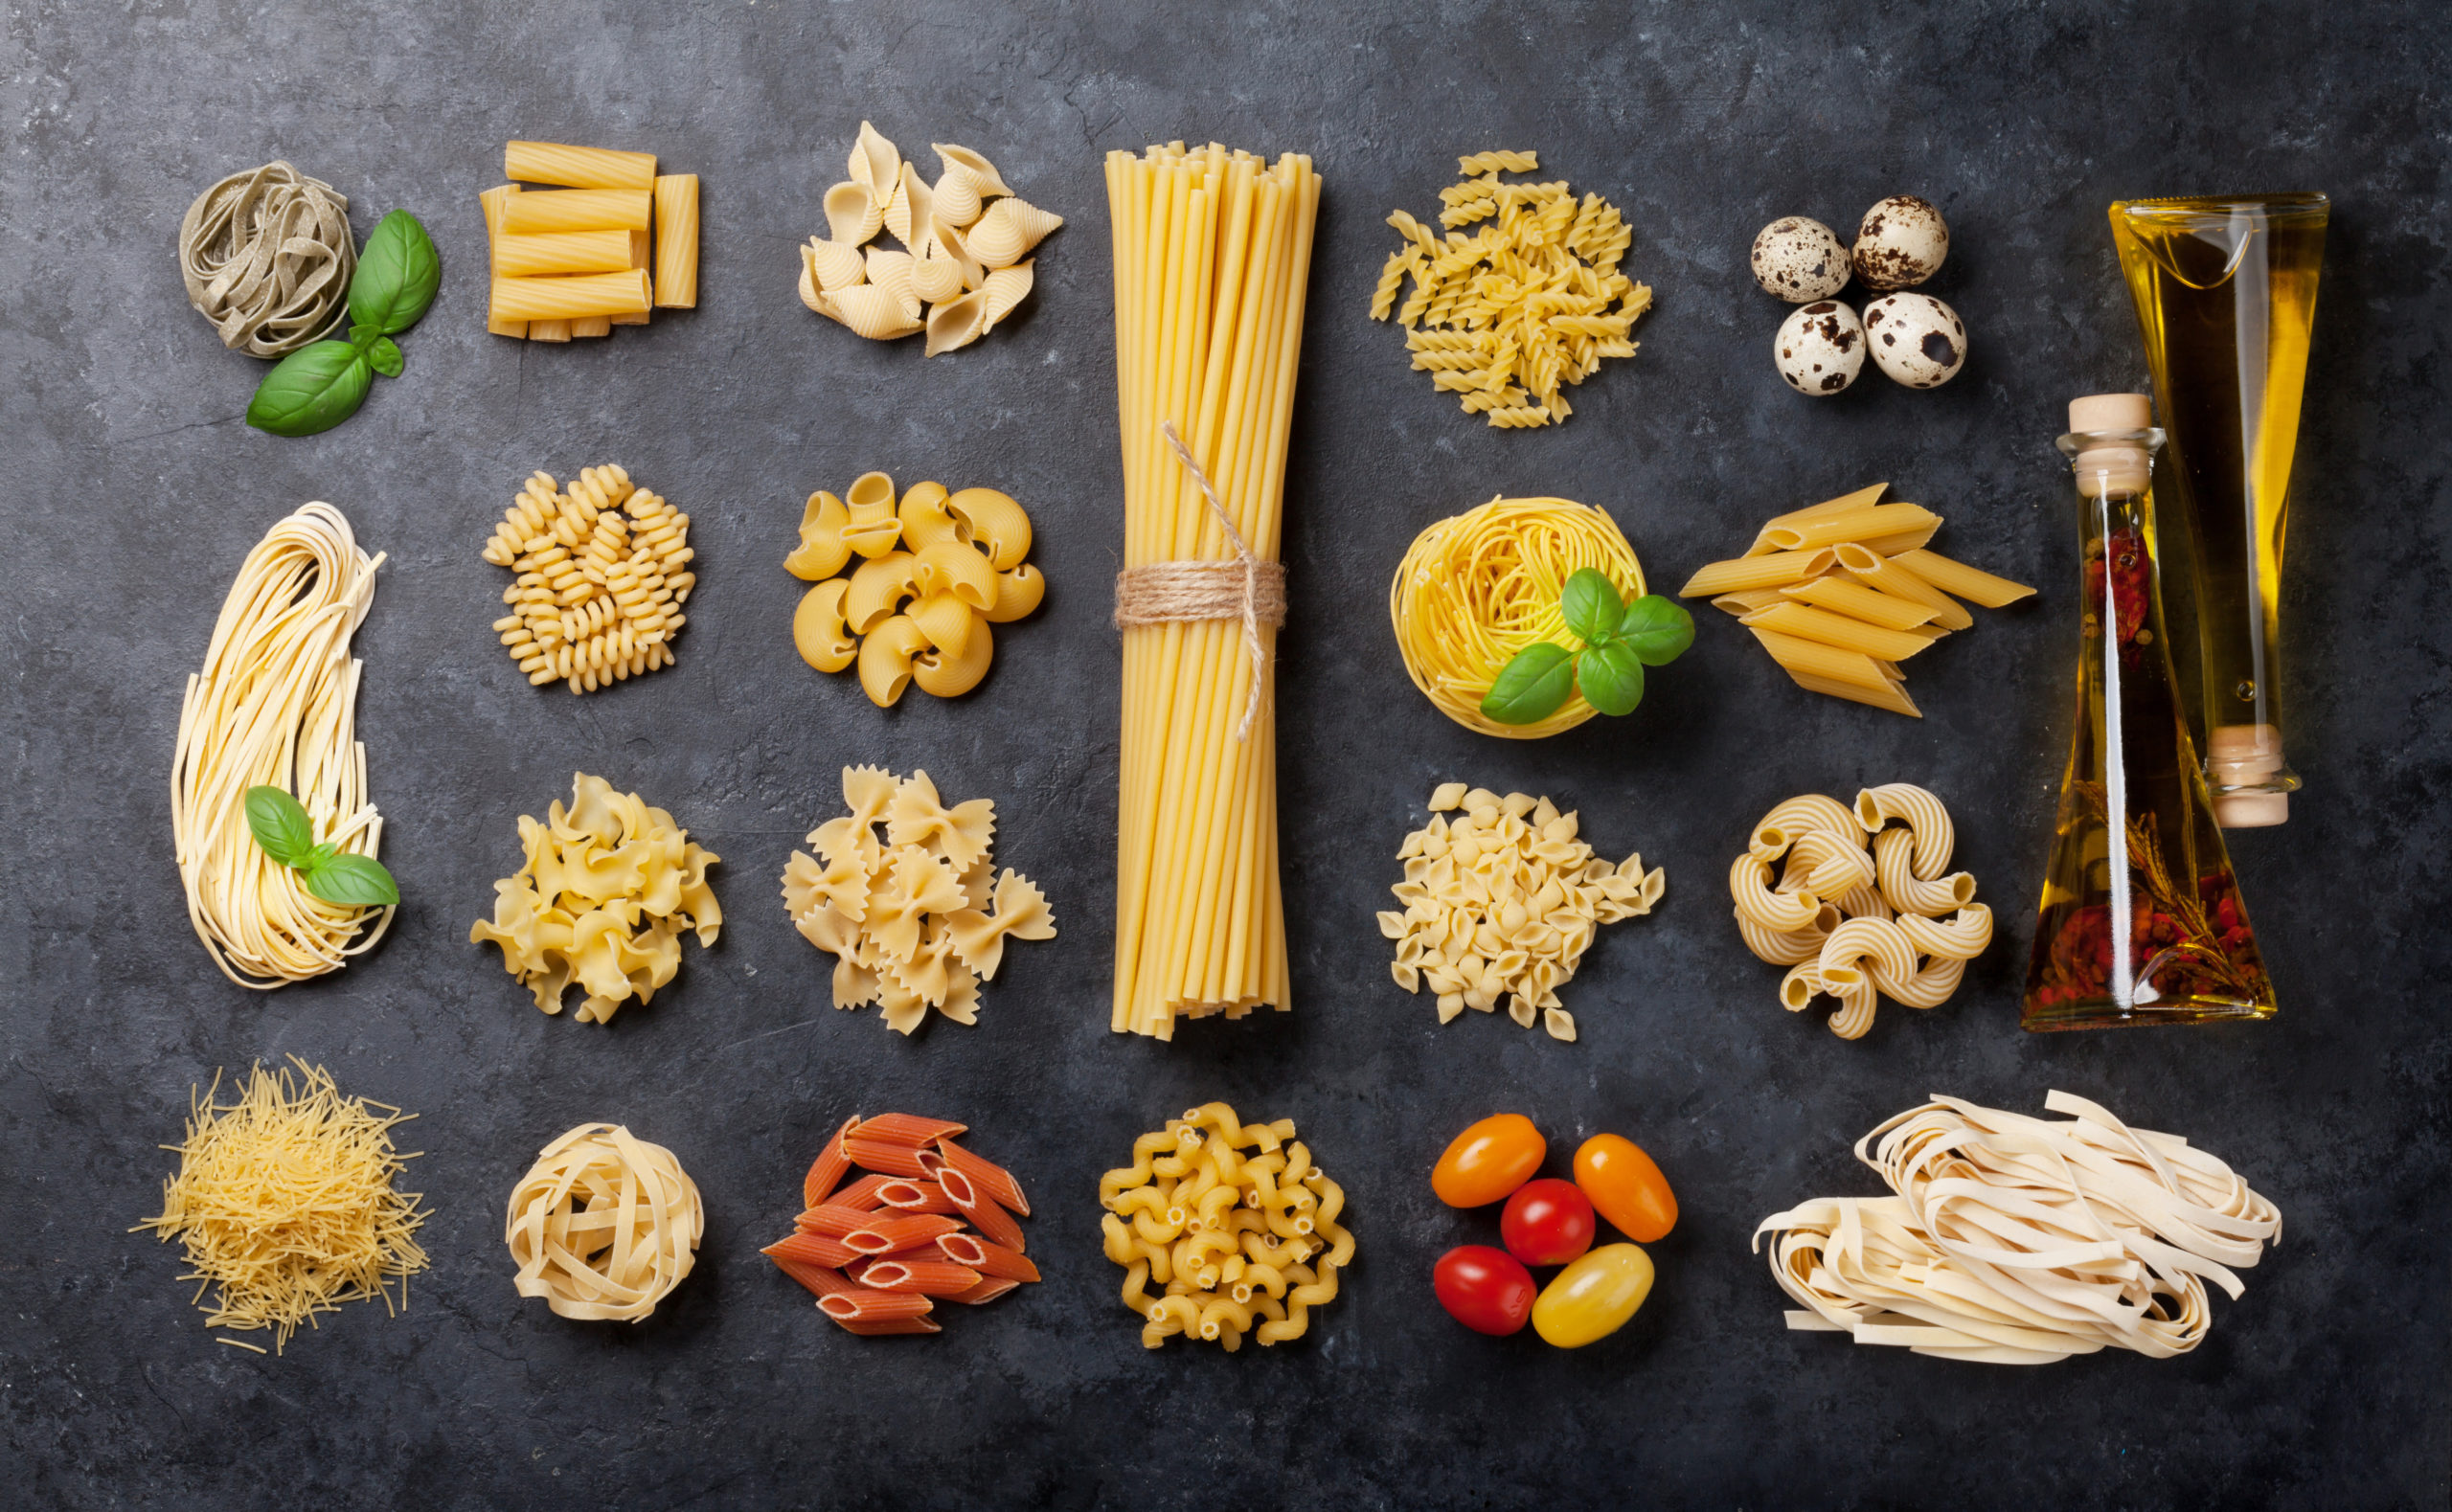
609,887
604,1224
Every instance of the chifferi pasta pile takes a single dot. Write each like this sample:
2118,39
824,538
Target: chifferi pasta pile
615,241
882,1251
604,572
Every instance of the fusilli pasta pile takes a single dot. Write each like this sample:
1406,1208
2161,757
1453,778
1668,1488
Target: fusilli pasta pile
603,572
1530,303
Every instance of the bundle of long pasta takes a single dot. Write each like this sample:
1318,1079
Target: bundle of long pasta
1842,592
1213,252
584,261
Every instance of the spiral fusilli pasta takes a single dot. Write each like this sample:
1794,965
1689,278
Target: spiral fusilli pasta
604,572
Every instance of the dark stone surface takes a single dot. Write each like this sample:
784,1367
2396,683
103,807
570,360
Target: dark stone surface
132,491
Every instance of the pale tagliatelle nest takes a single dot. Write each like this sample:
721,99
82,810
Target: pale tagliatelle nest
604,1224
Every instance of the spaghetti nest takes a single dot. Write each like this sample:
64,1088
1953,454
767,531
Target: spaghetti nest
1476,589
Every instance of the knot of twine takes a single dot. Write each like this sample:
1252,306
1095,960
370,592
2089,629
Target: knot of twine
1246,588
266,256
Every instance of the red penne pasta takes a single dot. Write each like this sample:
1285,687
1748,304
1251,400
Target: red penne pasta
926,1250
811,1249
988,1289
987,1176
831,1166
890,1325
884,1235
861,1194
987,1260
902,1128
863,1304
905,1196
875,1155
833,1220
818,1278
927,1277
993,1221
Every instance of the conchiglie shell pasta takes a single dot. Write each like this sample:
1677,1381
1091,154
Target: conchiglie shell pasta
962,162
824,641
937,278
954,568
852,214
885,660
1017,595
877,164
836,264
943,675
1003,290
957,323
956,200
822,551
908,214
878,588
997,524
874,312
944,619
891,271
811,294
1009,228
953,244
924,520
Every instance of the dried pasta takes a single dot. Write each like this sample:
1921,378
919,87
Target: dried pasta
2012,1240
604,569
615,243
1475,589
935,571
1234,1224
963,270
276,704
904,893
1510,315
1841,592
1501,902
604,1226
606,890
266,256
1893,923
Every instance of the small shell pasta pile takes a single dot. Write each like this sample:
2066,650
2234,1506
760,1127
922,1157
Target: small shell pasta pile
604,572
604,1224
935,570
1237,1242
962,267
916,918
608,890
1502,901
1508,316
1861,910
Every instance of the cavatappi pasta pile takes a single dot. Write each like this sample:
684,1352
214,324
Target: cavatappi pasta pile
1840,594
1238,1243
962,269
1857,923
583,259
935,570
1502,901
917,917
604,1224
1507,316
604,572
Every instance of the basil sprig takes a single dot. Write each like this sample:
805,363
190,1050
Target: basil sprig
1620,637
282,827
317,387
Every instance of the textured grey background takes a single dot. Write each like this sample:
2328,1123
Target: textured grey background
132,491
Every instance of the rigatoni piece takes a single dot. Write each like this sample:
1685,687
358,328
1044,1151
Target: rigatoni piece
639,259
577,168
676,241
570,298
492,200
577,210
554,252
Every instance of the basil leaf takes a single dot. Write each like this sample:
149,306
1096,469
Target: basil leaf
1530,688
1591,604
1656,630
318,856
1610,678
363,336
357,881
313,389
398,272
384,358
279,824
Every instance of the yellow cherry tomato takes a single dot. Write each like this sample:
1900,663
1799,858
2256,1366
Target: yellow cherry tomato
1593,1297
1489,1160
1627,1188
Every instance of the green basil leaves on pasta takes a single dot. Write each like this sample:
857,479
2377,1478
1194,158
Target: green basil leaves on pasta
1590,604
1619,640
1656,630
1610,678
317,387
279,824
1532,686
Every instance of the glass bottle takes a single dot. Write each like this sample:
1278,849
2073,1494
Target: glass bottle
2225,290
2147,929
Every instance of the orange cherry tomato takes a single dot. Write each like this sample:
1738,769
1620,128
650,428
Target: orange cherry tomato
1489,1160
1627,1188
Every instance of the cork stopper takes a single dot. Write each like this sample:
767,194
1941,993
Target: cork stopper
2112,469
2111,411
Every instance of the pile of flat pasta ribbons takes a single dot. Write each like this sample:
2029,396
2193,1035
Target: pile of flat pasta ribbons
276,706
604,1224
2021,1241
1213,252
266,256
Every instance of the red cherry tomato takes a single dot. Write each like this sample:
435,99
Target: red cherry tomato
1547,1222
1626,1186
1484,1289
1489,1160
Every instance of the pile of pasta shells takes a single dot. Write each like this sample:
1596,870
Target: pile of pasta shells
964,266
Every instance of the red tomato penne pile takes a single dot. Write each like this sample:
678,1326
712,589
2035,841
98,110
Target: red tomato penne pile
883,1249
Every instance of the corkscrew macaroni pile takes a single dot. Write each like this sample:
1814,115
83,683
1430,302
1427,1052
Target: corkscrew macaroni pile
604,572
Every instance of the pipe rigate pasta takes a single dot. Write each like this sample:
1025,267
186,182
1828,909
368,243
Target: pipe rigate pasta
604,572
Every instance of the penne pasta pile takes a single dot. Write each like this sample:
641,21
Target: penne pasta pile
882,1250
1842,593
617,239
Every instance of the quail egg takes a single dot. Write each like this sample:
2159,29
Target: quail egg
1799,260
1821,348
1915,339
1903,241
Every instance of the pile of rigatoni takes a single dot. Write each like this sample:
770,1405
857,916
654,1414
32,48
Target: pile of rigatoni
615,239
1840,594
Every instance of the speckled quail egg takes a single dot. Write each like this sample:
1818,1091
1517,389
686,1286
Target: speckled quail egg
1799,260
1915,339
1821,348
1903,241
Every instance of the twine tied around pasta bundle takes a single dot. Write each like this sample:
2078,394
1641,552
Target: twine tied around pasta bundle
1248,588
266,256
